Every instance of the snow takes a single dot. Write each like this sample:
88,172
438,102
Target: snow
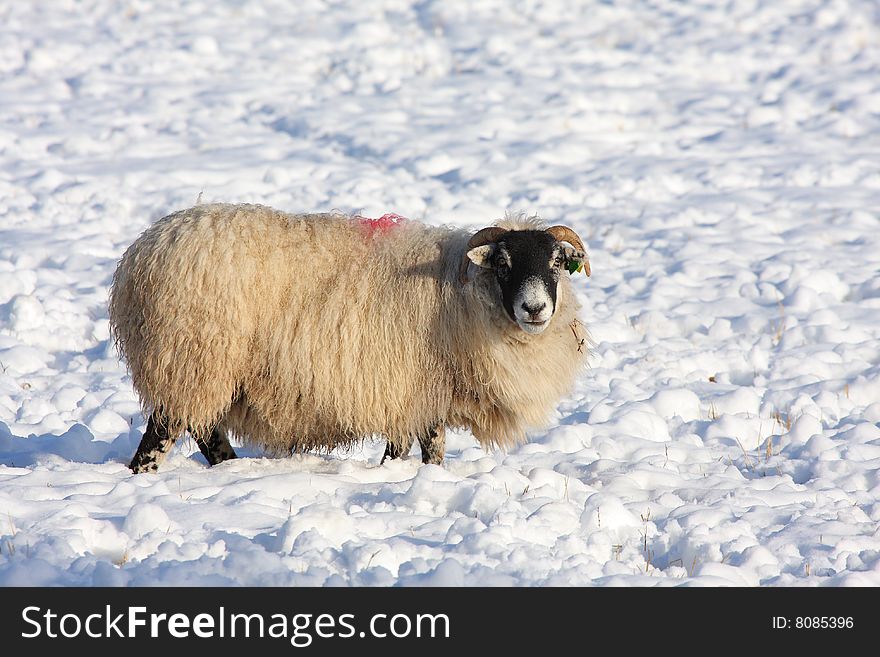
720,161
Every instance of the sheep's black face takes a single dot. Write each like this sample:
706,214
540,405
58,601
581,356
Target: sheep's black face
527,265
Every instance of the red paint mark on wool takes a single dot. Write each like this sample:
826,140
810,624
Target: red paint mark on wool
383,223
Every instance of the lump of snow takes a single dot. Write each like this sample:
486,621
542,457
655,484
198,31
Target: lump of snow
804,428
16,282
448,572
205,45
676,402
820,281
817,446
23,360
734,429
864,390
145,518
872,412
68,397
104,421
436,164
653,322
741,400
719,574
606,512
569,438
25,312
640,420
34,410
314,524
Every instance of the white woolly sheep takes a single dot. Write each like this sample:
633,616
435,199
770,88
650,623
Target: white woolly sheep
299,332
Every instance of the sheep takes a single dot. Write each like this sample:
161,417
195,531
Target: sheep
313,331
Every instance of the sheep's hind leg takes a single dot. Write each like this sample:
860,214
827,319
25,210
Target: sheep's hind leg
433,445
154,446
394,451
215,448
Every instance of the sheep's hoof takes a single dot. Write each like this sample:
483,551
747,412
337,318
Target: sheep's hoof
154,445
140,466
216,448
394,451
433,445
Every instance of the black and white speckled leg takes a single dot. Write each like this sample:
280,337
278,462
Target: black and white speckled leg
154,446
393,451
216,448
433,445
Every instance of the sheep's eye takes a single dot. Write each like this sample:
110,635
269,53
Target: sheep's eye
501,264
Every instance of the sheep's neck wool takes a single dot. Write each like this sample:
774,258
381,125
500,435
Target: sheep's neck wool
383,223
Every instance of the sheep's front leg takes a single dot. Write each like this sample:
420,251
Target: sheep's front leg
154,446
215,448
433,445
394,451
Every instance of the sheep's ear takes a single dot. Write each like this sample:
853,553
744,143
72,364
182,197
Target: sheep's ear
576,259
482,255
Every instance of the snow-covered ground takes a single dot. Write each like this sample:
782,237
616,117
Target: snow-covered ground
721,159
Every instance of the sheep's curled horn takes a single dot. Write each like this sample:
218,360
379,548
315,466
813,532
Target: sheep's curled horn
480,238
494,233
566,234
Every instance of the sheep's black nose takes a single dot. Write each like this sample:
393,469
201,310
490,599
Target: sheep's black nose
534,309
